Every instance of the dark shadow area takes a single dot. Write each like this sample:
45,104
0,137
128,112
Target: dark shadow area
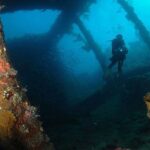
40,72
110,89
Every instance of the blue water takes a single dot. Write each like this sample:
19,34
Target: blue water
80,72
23,23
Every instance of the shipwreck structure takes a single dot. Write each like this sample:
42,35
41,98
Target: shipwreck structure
70,13
15,108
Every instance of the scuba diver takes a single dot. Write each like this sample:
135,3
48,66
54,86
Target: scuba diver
119,52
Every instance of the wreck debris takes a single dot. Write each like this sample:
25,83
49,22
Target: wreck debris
18,119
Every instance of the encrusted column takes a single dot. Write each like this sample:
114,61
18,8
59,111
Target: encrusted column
131,15
19,121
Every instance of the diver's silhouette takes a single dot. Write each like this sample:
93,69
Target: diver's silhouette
119,52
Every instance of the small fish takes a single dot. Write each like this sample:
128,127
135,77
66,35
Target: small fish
78,37
119,27
43,10
86,16
119,11
2,7
86,47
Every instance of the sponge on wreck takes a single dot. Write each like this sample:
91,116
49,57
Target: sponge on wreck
7,121
147,102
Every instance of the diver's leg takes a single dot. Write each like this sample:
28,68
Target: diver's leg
113,62
107,72
120,64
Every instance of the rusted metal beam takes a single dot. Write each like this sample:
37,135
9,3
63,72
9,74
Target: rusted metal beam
93,45
72,5
131,15
61,26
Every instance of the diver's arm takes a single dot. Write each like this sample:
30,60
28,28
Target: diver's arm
124,47
113,46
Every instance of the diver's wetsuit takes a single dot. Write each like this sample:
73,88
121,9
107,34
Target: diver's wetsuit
119,52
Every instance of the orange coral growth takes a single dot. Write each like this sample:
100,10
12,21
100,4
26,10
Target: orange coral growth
4,66
4,81
4,105
147,102
7,121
